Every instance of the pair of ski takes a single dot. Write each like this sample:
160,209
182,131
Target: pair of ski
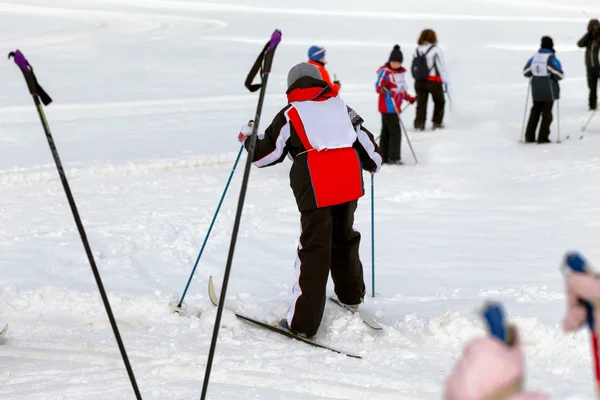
367,319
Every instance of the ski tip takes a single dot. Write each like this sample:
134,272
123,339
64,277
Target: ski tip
370,321
211,292
3,331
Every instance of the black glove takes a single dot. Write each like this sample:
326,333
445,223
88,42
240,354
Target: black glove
338,83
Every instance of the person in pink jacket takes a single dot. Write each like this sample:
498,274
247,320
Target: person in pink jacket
490,369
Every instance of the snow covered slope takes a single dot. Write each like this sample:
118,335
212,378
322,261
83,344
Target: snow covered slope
149,98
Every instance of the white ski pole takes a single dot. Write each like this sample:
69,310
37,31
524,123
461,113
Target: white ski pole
403,128
525,112
589,120
558,121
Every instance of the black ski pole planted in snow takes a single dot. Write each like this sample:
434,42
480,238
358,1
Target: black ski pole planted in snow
39,97
263,62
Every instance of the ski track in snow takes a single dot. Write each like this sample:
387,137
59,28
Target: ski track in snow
148,99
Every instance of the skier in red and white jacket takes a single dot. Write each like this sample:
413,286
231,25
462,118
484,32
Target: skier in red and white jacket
329,147
393,89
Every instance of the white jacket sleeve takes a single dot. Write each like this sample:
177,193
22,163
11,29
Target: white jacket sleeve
440,63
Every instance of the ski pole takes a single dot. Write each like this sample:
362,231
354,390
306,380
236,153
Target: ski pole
40,96
263,62
495,319
557,113
404,109
408,140
445,86
178,308
557,120
575,262
589,120
373,232
594,340
525,112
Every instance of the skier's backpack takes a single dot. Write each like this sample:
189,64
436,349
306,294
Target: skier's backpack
419,69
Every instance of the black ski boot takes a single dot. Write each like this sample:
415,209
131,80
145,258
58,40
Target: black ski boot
283,324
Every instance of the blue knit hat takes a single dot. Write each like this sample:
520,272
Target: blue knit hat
315,53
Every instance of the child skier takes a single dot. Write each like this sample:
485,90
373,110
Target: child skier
545,71
316,57
392,88
328,145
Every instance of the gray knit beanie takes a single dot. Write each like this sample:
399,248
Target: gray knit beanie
300,70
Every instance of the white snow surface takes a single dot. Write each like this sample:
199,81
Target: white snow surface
149,99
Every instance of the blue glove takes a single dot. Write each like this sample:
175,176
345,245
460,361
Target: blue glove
445,86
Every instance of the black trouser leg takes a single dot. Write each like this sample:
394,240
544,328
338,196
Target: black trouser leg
312,271
534,118
392,126
437,93
422,96
592,77
544,134
384,140
346,268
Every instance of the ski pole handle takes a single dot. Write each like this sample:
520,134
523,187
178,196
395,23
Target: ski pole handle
19,59
275,39
493,316
32,84
574,262
263,62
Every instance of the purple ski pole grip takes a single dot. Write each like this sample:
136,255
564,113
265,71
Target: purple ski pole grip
275,39
20,60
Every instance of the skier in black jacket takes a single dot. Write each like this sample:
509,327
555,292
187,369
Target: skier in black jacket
591,42
329,147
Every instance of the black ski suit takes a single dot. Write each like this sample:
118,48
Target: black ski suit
591,43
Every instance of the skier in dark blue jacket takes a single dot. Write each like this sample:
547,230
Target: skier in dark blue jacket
545,71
